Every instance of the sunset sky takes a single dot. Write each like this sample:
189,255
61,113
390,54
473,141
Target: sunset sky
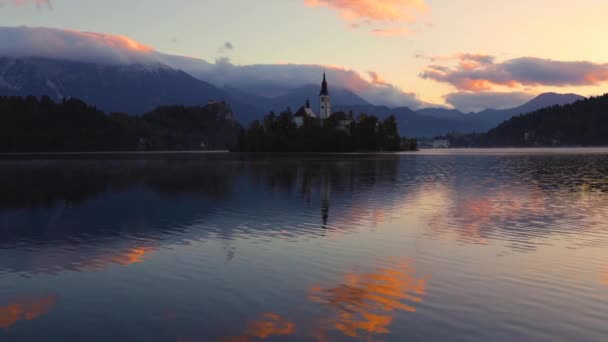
461,53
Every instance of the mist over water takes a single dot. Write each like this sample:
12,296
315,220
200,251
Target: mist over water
461,245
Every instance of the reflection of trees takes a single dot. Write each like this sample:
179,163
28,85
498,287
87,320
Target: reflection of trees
27,309
365,303
323,176
45,184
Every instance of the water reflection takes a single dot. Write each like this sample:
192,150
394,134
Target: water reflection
221,239
364,304
27,309
269,325
128,257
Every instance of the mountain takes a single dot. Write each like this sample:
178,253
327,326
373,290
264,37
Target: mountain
132,88
297,97
430,122
493,117
414,124
582,123
139,88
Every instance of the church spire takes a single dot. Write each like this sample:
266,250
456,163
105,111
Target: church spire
308,103
324,89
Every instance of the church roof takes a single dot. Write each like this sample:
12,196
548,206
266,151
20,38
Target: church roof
305,112
324,88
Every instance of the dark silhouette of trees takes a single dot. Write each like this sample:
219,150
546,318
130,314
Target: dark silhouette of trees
31,124
583,123
338,133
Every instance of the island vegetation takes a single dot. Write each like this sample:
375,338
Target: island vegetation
582,123
338,133
31,124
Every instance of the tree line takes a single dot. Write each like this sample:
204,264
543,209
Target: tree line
339,133
582,123
31,124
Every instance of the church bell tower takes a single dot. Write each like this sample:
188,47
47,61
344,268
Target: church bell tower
324,101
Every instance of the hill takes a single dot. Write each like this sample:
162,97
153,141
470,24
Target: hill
583,123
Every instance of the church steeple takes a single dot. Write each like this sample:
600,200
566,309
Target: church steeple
324,88
324,100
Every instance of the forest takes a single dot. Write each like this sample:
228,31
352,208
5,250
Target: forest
279,133
31,124
582,123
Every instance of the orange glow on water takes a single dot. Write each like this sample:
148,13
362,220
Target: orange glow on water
366,303
269,325
27,309
128,257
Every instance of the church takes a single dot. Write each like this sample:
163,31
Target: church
325,112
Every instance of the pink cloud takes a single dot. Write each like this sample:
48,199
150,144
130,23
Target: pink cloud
391,32
374,12
38,3
477,73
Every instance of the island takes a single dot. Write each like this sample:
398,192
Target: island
327,131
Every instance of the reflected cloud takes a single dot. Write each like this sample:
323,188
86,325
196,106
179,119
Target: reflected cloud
27,309
364,304
125,258
269,325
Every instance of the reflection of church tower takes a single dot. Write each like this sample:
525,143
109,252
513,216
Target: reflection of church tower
325,199
324,101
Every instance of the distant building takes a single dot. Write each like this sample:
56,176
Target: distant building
324,100
440,143
343,120
303,113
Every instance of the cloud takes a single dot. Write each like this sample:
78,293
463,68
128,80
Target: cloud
392,32
276,79
482,73
38,3
226,47
375,12
475,102
73,45
261,79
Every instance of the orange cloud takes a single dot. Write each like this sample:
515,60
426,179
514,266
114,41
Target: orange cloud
392,32
27,309
115,41
374,12
377,79
38,3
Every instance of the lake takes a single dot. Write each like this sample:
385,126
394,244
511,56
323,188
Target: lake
459,245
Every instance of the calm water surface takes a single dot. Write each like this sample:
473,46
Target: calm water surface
477,245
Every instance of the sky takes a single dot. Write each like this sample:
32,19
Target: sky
470,54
